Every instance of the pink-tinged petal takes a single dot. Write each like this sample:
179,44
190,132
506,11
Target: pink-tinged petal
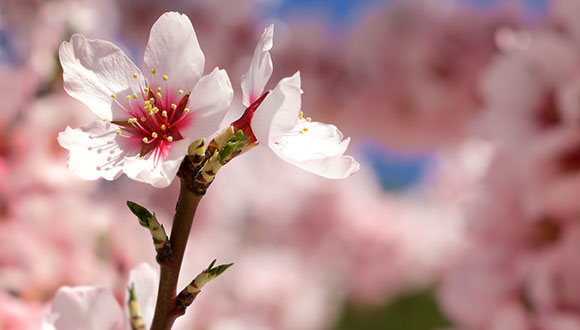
278,114
145,280
157,172
94,151
209,102
94,70
257,76
319,149
86,308
173,50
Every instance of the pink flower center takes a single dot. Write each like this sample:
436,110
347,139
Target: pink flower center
155,118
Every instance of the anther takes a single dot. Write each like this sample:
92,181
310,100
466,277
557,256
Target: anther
173,106
145,140
135,95
170,138
163,127
153,71
143,119
300,115
308,119
114,96
146,89
159,94
159,89
186,110
154,135
165,77
135,75
164,113
118,132
180,92
301,132
305,129
128,97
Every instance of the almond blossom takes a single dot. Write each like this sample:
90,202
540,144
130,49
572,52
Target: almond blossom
274,119
149,118
96,308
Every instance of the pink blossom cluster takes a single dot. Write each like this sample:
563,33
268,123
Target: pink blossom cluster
493,225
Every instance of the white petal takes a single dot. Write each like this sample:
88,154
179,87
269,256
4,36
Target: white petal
173,50
161,173
209,102
94,151
93,70
278,114
319,150
145,280
86,308
255,79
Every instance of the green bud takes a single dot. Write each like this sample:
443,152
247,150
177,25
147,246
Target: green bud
142,213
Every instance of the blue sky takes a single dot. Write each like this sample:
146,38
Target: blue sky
344,12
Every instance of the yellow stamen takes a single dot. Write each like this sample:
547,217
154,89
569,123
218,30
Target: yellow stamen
118,132
135,75
146,89
305,129
154,135
153,71
186,110
114,96
135,95
169,139
180,92
165,77
128,97
174,106
301,132
163,127
308,119
145,140
143,119
159,94
164,113
159,89
300,115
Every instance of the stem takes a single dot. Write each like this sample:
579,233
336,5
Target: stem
165,311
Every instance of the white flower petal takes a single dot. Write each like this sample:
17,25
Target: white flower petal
93,70
94,151
278,113
160,173
255,79
145,280
86,308
319,150
173,50
209,102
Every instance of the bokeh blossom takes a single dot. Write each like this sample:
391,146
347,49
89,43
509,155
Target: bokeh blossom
473,111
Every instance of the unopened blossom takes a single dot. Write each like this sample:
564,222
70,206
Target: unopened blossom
274,119
146,119
94,308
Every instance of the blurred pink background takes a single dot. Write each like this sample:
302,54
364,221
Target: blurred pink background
464,116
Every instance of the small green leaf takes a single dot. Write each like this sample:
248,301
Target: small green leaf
132,296
232,144
218,270
142,213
